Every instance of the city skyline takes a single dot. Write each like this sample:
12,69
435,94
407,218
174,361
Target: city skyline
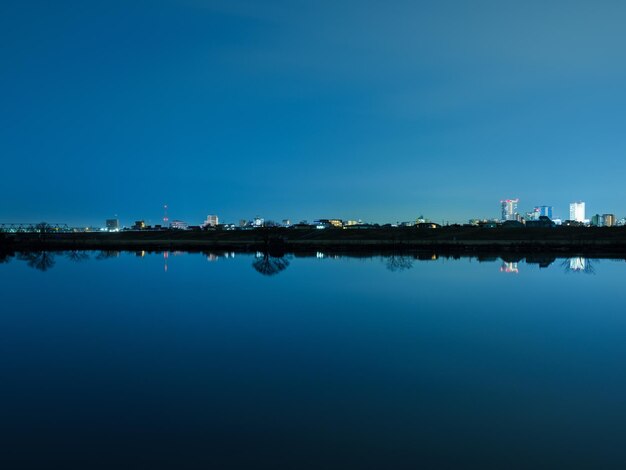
358,110
509,211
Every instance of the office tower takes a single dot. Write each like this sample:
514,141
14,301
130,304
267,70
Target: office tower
545,211
577,211
597,220
211,221
609,220
509,209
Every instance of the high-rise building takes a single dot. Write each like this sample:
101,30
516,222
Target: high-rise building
509,209
545,211
211,221
609,220
577,211
597,220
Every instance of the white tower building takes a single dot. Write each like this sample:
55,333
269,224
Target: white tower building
577,211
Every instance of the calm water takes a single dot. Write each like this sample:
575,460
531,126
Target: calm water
180,360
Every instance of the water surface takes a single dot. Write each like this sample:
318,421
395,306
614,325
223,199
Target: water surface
190,360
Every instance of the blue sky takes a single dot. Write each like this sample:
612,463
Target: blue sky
378,110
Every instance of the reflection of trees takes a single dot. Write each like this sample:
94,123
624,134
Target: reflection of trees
399,262
5,257
107,254
77,255
41,260
578,265
269,265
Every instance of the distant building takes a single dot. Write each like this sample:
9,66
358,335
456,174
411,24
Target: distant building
609,220
243,222
139,225
509,209
545,211
113,225
286,223
258,222
337,223
179,225
577,211
211,221
533,215
597,220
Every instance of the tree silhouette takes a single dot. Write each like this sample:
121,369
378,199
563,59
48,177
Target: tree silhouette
77,255
107,254
269,265
5,257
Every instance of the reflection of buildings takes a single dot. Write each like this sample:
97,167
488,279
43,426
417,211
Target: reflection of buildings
509,268
577,264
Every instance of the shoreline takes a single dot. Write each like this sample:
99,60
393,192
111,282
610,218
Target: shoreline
562,240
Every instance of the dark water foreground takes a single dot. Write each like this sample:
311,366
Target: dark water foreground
224,359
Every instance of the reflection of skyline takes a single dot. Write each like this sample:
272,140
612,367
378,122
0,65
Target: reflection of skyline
579,265
275,262
508,267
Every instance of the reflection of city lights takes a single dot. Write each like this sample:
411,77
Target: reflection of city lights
509,268
319,254
211,257
577,264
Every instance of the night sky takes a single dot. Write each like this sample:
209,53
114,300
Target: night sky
356,109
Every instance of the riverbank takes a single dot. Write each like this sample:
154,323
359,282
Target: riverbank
559,239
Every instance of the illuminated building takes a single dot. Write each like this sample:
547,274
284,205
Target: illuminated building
609,220
211,221
577,211
509,209
139,225
113,225
179,225
337,223
533,215
545,211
